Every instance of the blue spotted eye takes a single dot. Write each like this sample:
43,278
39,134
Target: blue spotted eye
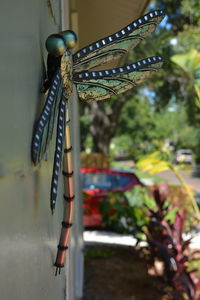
70,38
56,44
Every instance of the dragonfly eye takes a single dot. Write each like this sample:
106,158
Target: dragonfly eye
70,38
56,45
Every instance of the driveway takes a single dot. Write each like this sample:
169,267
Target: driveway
95,237
191,177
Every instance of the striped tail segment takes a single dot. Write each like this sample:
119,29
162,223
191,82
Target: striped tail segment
69,199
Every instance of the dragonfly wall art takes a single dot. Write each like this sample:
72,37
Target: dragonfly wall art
65,70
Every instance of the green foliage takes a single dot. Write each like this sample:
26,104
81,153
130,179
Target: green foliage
191,9
166,107
190,63
139,130
121,144
154,163
151,218
125,218
140,109
173,126
85,121
188,39
142,176
133,217
194,264
160,161
170,217
140,135
112,209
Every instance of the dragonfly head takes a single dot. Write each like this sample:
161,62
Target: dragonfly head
70,38
57,44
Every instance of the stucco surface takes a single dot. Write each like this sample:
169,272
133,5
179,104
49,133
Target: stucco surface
28,233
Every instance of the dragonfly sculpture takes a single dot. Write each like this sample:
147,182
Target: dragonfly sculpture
65,70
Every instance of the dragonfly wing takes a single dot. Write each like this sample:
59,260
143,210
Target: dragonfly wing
51,124
44,126
60,134
100,85
115,46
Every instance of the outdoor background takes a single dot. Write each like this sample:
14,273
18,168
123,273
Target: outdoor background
140,131
154,131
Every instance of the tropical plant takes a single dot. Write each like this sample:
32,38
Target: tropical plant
190,63
164,234
151,218
162,161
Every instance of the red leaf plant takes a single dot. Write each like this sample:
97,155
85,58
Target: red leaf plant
165,242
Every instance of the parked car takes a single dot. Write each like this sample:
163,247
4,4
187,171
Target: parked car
97,183
183,156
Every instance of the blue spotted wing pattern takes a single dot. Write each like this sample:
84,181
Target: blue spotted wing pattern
115,46
58,151
100,85
91,84
94,85
44,126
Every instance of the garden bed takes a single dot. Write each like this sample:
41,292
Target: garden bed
120,273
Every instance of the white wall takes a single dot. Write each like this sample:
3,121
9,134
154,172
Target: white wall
28,233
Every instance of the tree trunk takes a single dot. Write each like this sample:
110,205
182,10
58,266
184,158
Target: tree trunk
104,123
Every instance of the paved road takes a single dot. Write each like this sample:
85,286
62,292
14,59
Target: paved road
190,178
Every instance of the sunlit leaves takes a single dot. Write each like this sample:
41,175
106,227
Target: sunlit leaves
153,164
190,63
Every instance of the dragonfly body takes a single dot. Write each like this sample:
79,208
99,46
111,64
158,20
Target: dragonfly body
92,84
66,72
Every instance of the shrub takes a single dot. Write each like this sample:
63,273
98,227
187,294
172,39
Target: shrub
150,217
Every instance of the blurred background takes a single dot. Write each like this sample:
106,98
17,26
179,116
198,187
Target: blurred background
152,138
137,228
164,109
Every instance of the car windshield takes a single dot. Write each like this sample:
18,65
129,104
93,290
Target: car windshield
104,181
